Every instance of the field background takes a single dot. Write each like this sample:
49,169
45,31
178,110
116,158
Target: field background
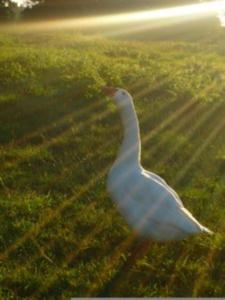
60,234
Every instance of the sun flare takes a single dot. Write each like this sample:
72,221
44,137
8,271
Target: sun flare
194,10
180,11
148,18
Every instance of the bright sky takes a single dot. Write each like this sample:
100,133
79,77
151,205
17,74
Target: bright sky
19,2
24,3
217,7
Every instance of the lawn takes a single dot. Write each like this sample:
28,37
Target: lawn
60,234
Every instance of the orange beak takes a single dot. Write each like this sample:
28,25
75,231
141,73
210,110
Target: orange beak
109,91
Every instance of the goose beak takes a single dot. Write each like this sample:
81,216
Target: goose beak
109,91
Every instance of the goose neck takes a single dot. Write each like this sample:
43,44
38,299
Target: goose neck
130,150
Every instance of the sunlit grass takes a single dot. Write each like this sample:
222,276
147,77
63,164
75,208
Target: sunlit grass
59,137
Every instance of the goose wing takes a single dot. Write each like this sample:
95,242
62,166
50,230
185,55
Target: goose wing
156,177
162,181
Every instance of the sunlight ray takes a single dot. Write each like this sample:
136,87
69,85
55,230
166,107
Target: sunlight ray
171,118
40,226
72,256
209,262
148,26
136,253
65,133
203,120
13,247
221,18
185,120
88,135
26,236
42,130
181,122
173,277
115,257
62,121
35,229
145,90
213,134
171,13
69,258
52,141
53,213
203,273
21,240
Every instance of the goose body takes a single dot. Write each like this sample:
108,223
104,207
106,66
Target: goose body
149,205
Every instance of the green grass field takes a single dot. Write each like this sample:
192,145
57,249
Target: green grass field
60,234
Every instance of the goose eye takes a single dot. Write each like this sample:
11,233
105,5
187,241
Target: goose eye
123,93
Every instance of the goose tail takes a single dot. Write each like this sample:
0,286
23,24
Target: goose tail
206,230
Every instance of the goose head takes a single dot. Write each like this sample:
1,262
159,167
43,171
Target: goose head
119,95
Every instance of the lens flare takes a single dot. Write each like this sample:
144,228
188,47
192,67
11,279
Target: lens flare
151,17
221,17
25,3
194,10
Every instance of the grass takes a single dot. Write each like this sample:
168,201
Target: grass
60,234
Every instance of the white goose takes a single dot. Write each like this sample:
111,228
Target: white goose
150,206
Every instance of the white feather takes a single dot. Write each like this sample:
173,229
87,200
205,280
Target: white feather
150,206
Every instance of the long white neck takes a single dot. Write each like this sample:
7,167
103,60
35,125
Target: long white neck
130,151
